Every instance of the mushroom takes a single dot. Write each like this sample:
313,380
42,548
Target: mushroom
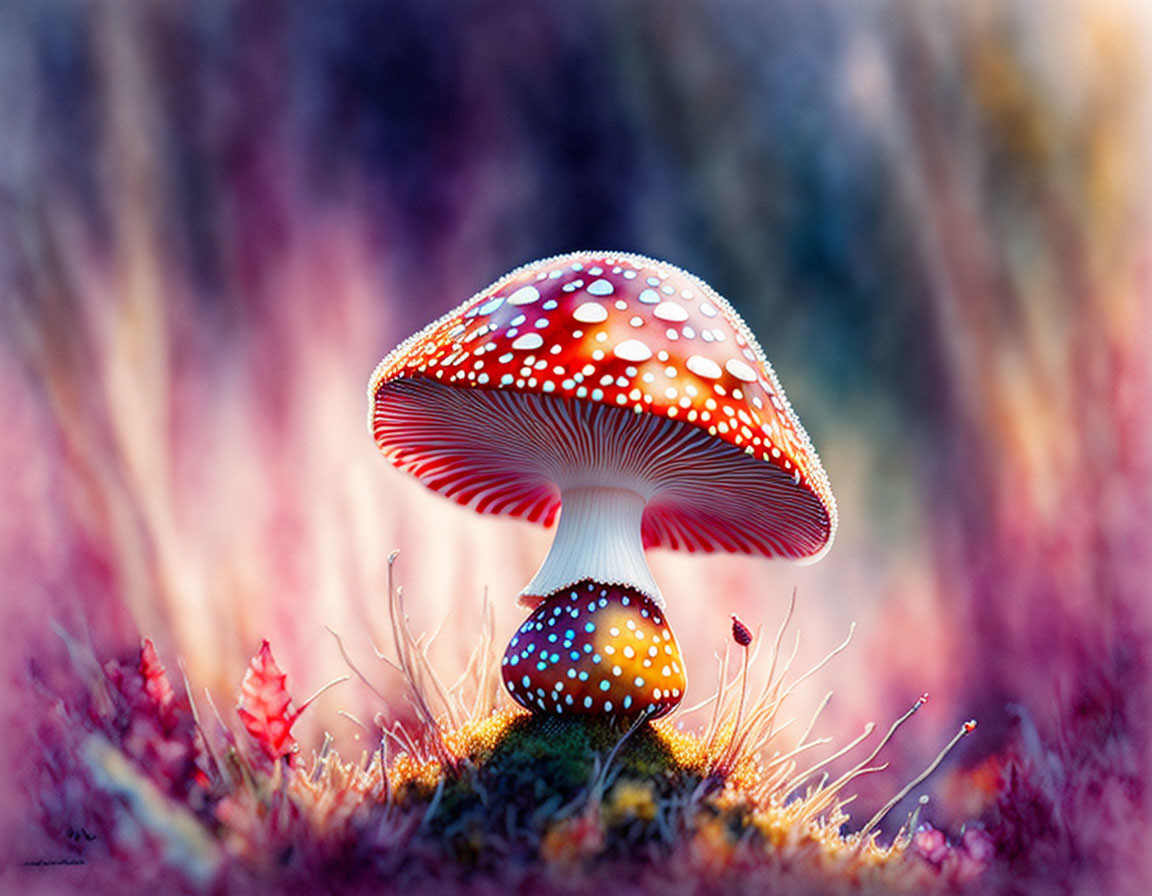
628,396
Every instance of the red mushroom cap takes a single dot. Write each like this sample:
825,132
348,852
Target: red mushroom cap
609,367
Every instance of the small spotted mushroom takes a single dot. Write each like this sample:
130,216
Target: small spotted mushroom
626,392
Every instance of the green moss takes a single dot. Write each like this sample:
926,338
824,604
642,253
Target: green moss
566,749
542,770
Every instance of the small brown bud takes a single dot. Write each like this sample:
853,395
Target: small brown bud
741,634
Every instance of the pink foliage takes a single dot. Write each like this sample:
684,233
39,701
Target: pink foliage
152,725
156,684
266,706
959,862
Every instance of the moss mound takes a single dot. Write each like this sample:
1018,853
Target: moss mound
542,775
565,751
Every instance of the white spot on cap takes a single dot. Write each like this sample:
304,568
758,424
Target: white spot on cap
704,367
740,370
708,309
649,296
491,305
525,295
528,341
671,311
632,350
591,313
601,288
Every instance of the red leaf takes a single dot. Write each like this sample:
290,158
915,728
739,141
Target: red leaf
156,684
266,707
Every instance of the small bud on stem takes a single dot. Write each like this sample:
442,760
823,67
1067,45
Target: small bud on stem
741,634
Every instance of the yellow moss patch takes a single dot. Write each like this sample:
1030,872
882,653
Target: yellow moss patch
628,801
407,770
688,750
478,737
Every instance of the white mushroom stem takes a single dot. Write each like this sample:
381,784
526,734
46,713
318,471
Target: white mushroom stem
598,537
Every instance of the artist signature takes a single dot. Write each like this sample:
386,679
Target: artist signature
76,835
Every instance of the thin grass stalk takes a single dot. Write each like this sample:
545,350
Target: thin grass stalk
965,729
798,780
724,765
712,730
760,727
412,664
862,767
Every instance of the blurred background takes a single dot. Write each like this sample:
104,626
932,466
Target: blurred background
216,216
